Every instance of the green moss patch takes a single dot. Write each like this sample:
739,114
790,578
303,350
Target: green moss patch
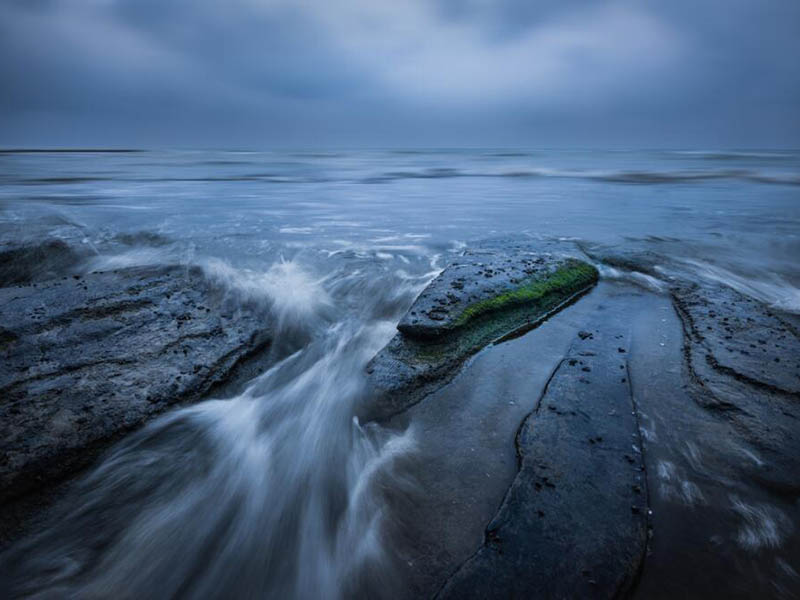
564,281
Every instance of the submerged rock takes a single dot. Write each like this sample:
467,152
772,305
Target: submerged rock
26,263
485,295
574,522
85,359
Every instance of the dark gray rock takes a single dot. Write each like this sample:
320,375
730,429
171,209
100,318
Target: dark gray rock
630,257
483,296
744,361
87,358
740,337
25,263
574,522
486,281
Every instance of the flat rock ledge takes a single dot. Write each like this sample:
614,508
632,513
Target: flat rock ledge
744,362
85,359
574,522
485,295
743,359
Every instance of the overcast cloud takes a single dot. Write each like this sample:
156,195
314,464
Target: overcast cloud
265,73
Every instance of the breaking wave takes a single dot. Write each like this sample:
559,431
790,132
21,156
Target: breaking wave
268,494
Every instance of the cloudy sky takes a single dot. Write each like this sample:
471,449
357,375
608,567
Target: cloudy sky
274,73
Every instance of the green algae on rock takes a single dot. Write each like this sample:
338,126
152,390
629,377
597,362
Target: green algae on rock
486,281
572,274
484,296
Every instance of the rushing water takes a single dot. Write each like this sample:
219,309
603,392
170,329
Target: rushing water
268,493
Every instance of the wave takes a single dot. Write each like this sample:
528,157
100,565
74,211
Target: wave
275,492
256,177
62,180
638,278
624,176
661,177
296,298
664,177
761,526
70,150
780,179
735,155
432,173
142,238
280,485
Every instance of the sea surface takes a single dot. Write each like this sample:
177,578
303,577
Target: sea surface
267,492
732,215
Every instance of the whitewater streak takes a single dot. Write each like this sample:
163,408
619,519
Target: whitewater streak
268,494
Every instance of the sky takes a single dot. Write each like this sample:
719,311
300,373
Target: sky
392,73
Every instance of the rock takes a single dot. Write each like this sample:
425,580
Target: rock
574,522
483,283
744,361
485,295
25,263
630,257
740,337
85,359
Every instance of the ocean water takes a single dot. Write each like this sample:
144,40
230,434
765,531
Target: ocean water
733,215
270,492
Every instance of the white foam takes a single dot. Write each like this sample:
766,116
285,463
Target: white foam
291,291
772,289
296,230
762,525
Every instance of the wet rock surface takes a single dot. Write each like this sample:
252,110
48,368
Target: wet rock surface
575,520
22,263
87,358
741,338
742,358
573,523
744,361
484,295
486,281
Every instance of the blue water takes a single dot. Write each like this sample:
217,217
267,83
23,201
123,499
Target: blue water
733,214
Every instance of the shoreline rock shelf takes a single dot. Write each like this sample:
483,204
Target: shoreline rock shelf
85,359
575,520
744,362
482,297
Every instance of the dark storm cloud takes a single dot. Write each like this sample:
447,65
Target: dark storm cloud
478,72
